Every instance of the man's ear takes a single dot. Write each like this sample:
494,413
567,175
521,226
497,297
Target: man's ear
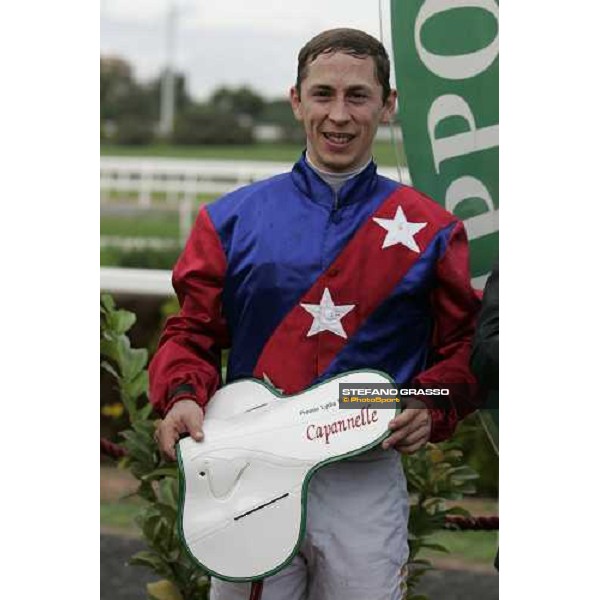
296,103
389,107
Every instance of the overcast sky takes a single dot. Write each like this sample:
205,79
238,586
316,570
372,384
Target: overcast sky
229,42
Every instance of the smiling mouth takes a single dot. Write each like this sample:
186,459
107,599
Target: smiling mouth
339,138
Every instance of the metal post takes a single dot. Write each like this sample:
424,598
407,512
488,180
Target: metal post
186,206
167,88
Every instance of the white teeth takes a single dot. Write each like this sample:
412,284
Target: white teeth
338,137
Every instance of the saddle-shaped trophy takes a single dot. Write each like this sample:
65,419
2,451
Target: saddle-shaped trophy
242,501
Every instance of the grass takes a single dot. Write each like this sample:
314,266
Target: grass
468,546
118,516
148,225
277,152
145,223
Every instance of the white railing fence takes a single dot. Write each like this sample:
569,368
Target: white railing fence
176,183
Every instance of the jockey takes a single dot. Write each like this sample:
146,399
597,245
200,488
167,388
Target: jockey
328,268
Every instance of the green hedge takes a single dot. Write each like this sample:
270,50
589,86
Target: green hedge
147,258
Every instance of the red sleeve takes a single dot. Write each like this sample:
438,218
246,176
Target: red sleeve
187,363
455,308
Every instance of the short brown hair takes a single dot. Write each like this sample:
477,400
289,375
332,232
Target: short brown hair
349,41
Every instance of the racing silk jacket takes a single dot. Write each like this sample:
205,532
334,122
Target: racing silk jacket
303,284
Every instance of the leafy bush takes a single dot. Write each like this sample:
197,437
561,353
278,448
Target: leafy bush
158,481
479,454
149,258
434,474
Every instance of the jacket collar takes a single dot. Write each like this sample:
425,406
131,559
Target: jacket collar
355,189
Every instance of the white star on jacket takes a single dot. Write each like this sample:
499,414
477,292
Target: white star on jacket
327,316
400,231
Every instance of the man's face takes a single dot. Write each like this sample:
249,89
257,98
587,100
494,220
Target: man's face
341,107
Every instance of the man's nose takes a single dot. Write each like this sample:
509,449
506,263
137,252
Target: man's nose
338,112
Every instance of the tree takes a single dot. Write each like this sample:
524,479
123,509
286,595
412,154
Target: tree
279,112
131,109
242,102
116,85
126,107
202,124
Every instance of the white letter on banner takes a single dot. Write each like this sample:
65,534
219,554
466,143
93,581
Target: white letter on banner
451,105
460,66
469,187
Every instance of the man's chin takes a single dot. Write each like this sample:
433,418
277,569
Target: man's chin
341,166
338,163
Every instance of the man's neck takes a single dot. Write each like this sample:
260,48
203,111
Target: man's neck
335,180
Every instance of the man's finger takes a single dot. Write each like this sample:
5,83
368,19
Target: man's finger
185,417
192,424
405,442
400,437
167,434
406,417
394,439
167,438
400,431
412,438
400,421
403,429
188,417
169,453
412,448
408,427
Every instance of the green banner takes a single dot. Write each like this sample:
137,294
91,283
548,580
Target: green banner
446,63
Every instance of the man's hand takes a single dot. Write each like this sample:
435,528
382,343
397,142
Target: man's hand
185,417
412,428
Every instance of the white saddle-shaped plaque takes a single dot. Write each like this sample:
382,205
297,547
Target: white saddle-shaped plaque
243,488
